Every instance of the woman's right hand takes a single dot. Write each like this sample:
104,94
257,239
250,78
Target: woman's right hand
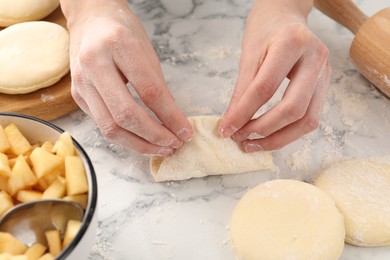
110,48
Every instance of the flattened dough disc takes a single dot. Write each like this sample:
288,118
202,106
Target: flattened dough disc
287,219
33,55
17,11
208,154
361,189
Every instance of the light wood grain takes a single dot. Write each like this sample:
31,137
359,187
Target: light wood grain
48,103
370,48
342,11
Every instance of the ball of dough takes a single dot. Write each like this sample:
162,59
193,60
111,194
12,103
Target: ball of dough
17,11
33,55
361,189
287,219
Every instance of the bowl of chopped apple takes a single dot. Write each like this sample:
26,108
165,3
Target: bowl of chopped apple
40,161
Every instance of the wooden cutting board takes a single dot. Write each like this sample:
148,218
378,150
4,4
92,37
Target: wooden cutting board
47,103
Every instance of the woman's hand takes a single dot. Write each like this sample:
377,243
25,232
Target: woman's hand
110,48
277,44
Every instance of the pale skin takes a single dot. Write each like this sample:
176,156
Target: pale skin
109,48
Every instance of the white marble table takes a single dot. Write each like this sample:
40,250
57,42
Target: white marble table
198,43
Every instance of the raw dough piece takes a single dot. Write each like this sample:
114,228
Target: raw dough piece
361,189
33,55
287,219
17,11
208,154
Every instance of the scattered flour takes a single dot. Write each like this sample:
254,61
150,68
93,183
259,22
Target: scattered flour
299,160
45,98
102,248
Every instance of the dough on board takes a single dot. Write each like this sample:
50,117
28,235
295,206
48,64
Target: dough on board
208,154
17,11
287,219
361,189
33,55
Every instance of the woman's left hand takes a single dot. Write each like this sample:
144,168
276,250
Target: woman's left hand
277,44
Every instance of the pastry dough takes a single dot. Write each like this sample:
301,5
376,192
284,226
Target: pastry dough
17,11
33,55
361,189
287,219
208,154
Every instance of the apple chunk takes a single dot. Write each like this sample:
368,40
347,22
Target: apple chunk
76,179
44,162
18,143
5,202
10,244
22,176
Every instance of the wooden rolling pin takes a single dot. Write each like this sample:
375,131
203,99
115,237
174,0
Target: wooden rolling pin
370,48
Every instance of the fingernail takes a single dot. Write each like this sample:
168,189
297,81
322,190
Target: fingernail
249,148
239,137
253,136
185,134
228,131
165,151
176,143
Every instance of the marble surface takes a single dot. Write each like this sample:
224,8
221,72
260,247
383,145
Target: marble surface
198,43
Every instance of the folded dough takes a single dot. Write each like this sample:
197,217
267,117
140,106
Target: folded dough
208,154
17,11
33,55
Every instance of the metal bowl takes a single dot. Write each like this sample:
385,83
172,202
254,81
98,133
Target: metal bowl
38,130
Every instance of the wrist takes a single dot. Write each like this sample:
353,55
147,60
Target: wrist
298,8
79,11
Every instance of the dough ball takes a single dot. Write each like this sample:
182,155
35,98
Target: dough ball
17,11
287,219
361,189
33,55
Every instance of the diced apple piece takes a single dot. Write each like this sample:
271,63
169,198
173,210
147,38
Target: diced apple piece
35,251
53,239
5,256
10,244
71,231
5,202
5,170
22,176
12,161
19,257
28,153
28,195
19,144
64,146
52,176
46,256
56,190
4,143
81,199
48,146
76,179
41,186
44,162
3,183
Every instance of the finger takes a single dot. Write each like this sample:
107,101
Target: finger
248,68
303,126
151,88
280,59
77,84
112,131
294,104
124,109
